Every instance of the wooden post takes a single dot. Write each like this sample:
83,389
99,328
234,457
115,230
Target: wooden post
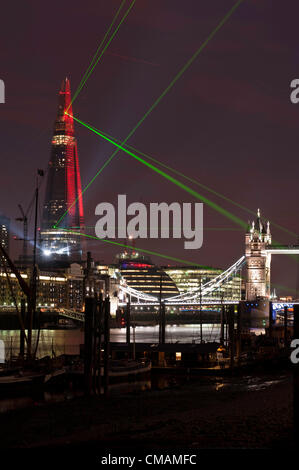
222,325
200,311
100,309
270,319
163,321
106,344
285,326
160,310
231,334
238,348
29,331
88,344
128,326
296,377
162,314
22,331
94,334
134,341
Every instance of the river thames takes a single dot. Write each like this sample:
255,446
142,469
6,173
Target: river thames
68,341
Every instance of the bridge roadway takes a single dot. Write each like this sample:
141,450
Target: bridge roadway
182,304
79,316
202,348
283,250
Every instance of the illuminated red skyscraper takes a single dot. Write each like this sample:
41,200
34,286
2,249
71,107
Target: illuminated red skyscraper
63,207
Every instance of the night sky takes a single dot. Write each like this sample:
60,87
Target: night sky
227,122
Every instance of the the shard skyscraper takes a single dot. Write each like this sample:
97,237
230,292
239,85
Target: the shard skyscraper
63,206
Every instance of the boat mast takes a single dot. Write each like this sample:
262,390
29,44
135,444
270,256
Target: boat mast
34,267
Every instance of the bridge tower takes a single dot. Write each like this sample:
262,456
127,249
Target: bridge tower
258,261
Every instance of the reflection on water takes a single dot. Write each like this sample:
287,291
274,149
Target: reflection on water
174,333
68,341
50,341
206,384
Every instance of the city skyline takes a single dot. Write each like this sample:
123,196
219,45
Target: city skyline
126,83
149,231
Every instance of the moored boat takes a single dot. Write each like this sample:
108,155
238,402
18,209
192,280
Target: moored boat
119,370
20,380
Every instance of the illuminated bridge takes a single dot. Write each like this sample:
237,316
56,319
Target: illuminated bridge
256,262
200,296
257,265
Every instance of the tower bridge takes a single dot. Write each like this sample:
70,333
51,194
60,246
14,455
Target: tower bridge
258,253
256,262
255,265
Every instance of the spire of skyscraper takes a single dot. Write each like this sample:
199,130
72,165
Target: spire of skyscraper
63,207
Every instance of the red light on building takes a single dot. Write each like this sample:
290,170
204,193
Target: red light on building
63,202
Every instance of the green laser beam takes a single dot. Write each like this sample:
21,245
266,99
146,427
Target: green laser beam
96,54
160,255
207,201
143,250
186,188
172,83
105,48
197,183
274,243
285,288
277,286
192,180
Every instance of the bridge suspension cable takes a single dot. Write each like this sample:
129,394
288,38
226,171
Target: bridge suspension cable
210,286
204,291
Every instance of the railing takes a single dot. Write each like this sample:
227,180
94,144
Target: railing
72,314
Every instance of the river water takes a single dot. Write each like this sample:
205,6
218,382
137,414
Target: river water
68,341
